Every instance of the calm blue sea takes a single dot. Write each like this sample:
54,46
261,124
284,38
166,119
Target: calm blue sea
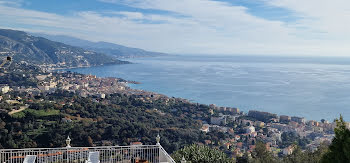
314,88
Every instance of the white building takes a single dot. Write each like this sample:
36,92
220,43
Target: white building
218,120
5,89
250,129
205,128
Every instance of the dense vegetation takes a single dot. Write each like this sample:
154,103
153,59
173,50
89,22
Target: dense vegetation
289,138
18,77
118,119
200,154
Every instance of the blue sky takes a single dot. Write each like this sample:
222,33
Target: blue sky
66,7
268,27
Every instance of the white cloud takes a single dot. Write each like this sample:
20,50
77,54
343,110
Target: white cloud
130,15
320,16
16,3
198,26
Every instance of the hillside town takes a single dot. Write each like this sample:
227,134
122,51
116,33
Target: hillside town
241,130
269,128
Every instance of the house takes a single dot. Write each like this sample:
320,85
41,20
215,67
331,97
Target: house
218,120
285,118
312,123
252,147
231,131
135,143
239,145
211,111
83,94
268,146
5,88
205,128
222,108
41,77
226,145
250,129
298,119
347,124
223,129
281,127
293,124
66,120
253,134
207,142
237,137
246,122
237,152
259,124
288,150
318,129
233,110
212,106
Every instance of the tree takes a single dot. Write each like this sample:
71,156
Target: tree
262,155
300,156
90,141
316,156
297,156
200,154
339,150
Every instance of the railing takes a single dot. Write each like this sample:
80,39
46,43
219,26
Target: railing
164,156
108,154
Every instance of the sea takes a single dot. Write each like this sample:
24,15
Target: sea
312,87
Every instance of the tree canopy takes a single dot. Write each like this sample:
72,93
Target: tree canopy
262,155
339,150
201,154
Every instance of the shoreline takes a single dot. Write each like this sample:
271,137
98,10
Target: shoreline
246,109
244,113
76,67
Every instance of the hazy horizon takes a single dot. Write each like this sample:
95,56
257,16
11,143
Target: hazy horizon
203,54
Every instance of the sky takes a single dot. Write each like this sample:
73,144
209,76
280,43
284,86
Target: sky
215,27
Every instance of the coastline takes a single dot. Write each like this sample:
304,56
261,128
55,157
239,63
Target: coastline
210,118
155,79
43,67
243,113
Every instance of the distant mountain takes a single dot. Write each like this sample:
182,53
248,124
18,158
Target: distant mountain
102,47
41,51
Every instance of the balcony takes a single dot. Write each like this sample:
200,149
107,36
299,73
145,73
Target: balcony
106,154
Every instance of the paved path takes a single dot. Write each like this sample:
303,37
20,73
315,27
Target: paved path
19,110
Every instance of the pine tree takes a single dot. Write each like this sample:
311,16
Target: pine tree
298,156
262,155
339,150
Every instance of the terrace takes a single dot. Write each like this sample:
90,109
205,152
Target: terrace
106,154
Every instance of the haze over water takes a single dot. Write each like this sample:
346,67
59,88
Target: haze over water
314,88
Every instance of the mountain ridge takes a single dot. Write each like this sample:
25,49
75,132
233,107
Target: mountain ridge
41,51
112,49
